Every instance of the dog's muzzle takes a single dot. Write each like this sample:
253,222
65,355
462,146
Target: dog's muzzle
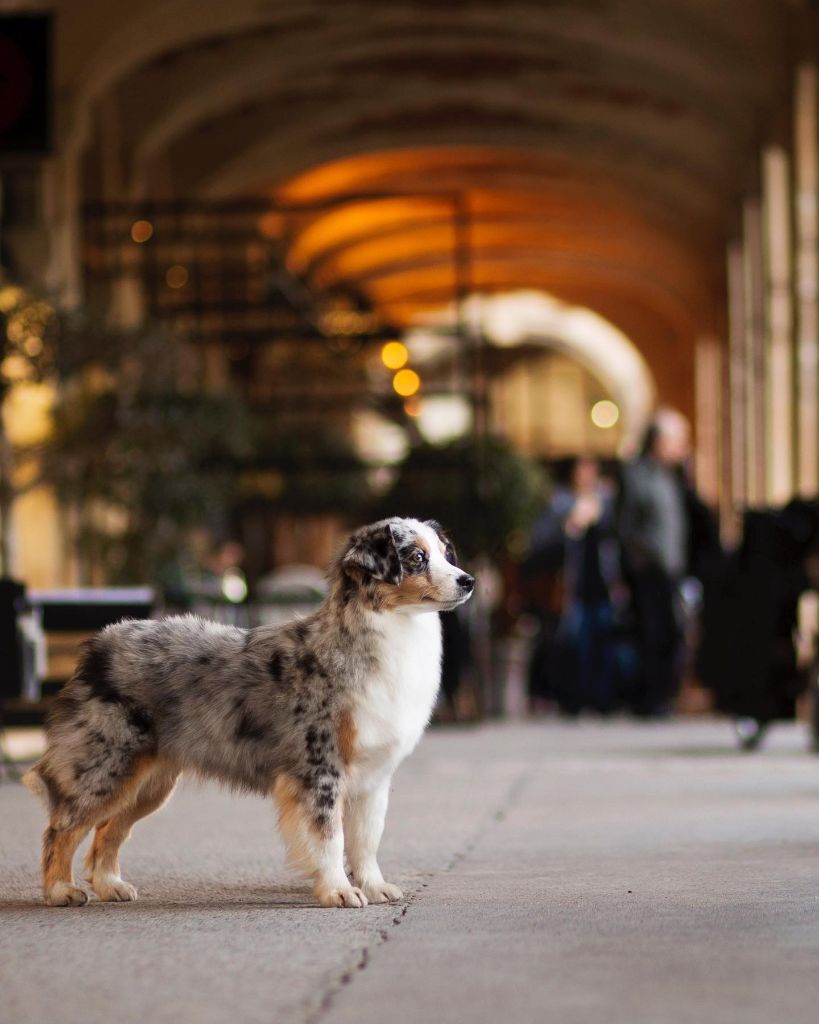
466,583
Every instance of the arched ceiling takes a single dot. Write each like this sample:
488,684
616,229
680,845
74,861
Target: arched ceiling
597,148
523,224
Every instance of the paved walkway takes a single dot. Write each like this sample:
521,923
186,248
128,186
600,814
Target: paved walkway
575,874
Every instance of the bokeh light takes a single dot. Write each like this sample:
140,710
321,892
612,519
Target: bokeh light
176,276
605,414
141,230
406,383
394,355
234,587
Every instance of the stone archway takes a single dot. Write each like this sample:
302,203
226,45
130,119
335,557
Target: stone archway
534,318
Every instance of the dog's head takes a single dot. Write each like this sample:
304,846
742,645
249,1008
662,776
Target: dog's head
406,565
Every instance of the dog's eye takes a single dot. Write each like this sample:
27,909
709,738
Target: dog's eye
417,557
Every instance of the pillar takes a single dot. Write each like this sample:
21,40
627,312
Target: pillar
806,230
737,375
779,349
754,351
708,399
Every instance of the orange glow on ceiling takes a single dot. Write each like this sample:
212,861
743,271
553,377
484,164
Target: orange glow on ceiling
414,170
385,225
360,220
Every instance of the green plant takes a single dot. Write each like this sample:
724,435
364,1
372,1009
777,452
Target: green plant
139,460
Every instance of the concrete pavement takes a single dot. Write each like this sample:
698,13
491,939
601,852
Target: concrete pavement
569,873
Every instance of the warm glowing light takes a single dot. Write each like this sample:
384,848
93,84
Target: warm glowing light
394,355
442,418
406,383
605,414
141,230
15,368
10,297
177,276
413,407
378,439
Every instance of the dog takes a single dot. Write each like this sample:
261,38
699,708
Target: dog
317,713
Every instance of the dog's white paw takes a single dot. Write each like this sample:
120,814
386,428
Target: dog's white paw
66,894
112,889
351,896
382,892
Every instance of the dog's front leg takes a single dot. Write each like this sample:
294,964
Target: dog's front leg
364,816
315,843
330,883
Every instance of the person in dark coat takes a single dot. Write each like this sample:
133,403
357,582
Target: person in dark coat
578,528
750,617
654,527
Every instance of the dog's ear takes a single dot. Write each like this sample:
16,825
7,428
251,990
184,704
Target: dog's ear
449,548
373,553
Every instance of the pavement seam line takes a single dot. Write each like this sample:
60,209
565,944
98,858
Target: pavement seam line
493,817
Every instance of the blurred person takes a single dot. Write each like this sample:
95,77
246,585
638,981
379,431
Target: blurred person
205,572
807,639
577,531
225,572
666,534
758,651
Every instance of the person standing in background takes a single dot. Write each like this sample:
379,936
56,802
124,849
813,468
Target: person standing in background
654,526
578,528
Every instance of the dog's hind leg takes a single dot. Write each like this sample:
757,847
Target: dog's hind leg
101,741
102,862
315,844
74,810
59,847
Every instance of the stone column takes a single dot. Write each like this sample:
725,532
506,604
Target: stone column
708,397
806,226
754,351
737,375
779,347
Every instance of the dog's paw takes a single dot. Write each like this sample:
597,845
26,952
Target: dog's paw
112,889
382,892
351,896
65,894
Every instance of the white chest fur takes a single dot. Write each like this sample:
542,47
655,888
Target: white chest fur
395,703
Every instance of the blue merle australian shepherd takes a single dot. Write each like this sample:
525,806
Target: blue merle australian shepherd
317,713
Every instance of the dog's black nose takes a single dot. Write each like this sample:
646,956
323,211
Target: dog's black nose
466,582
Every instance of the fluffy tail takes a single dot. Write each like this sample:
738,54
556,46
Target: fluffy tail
33,781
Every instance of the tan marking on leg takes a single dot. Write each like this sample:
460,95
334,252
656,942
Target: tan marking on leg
316,853
127,792
297,827
66,832
346,737
59,848
102,862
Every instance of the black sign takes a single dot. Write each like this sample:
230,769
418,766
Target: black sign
25,84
